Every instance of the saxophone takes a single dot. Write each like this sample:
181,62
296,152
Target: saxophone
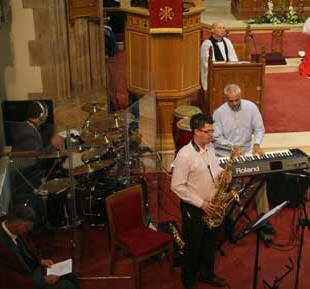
177,237
223,197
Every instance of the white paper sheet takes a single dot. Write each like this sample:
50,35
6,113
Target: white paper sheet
61,268
271,212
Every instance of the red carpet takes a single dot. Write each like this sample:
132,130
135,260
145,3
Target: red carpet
236,266
286,103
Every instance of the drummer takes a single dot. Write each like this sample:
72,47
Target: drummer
27,137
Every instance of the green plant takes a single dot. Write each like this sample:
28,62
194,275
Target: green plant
282,15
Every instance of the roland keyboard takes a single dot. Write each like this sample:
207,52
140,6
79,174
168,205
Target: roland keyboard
270,162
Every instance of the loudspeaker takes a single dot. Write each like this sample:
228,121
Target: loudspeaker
16,111
291,186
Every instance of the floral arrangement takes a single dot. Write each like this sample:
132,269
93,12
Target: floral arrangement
282,15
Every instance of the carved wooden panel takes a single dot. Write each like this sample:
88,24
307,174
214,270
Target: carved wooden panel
138,23
83,8
166,57
250,77
191,22
138,71
191,65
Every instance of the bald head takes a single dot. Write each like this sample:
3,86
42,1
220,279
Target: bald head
218,30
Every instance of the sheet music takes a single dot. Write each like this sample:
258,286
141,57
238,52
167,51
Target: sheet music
61,268
270,213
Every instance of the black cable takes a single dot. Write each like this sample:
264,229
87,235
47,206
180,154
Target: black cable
294,232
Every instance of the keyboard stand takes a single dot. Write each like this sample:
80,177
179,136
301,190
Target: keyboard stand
230,221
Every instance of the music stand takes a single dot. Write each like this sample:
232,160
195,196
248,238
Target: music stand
302,223
256,226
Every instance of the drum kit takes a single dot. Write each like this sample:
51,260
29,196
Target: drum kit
181,130
96,158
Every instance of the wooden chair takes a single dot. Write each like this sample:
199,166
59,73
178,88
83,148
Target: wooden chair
127,230
243,50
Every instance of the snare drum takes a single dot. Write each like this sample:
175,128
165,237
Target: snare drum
182,112
184,133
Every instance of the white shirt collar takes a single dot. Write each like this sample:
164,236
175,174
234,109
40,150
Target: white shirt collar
11,235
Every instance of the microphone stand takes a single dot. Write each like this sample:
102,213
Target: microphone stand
256,226
303,223
275,285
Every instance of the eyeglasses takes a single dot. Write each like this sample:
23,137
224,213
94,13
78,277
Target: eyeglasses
207,131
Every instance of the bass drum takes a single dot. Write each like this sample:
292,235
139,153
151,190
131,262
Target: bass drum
58,212
94,205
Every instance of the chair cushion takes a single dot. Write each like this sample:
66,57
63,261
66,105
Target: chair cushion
142,240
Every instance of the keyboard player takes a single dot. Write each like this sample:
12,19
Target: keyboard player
236,123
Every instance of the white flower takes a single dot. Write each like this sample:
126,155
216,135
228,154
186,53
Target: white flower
270,5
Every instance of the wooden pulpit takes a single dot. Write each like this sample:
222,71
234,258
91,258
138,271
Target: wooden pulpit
167,63
248,75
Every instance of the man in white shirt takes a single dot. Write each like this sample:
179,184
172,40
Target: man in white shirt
195,175
235,122
223,50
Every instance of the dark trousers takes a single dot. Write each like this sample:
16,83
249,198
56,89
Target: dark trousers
69,281
199,252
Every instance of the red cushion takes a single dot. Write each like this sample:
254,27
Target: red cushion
142,240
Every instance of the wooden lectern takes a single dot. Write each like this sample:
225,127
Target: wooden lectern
166,63
248,75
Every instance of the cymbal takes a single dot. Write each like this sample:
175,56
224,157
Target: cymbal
114,135
93,155
54,186
110,122
53,155
93,139
93,107
92,167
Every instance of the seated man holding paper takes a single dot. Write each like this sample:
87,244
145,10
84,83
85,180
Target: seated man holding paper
20,264
223,50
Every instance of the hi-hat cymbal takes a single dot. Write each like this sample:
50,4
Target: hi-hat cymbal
93,106
92,167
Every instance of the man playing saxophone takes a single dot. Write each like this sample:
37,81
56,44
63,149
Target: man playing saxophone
195,175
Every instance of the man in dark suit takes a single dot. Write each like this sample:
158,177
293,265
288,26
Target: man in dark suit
27,137
20,264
